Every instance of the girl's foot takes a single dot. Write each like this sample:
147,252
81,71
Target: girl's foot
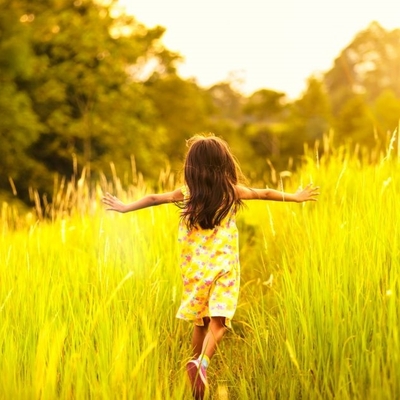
198,378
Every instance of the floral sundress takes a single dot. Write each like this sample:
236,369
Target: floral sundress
209,261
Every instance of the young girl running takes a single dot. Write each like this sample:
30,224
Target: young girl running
208,236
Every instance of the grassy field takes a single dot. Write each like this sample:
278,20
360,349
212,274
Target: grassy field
88,298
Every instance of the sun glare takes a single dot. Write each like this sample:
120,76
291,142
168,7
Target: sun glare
267,46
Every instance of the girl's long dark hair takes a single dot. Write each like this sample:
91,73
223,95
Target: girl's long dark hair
211,173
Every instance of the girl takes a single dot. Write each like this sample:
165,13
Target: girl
208,237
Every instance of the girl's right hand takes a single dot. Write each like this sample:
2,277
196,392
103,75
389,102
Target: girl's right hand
113,203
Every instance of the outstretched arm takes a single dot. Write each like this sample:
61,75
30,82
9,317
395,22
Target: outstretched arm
150,200
309,193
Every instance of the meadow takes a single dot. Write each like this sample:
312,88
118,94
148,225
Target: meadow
88,297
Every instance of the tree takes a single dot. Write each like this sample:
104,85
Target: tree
263,114
265,105
181,110
19,125
227,102
354,124
366,75
309,119
369,65
80,85
386,116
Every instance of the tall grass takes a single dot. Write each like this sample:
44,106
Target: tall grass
88,297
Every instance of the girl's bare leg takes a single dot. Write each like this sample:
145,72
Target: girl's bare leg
199,334
214,335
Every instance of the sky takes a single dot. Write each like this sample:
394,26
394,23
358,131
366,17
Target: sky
262,44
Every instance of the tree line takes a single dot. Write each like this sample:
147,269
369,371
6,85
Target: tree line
84,85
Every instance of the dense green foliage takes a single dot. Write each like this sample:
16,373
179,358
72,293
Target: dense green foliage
84,86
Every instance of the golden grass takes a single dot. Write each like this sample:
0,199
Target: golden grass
88,297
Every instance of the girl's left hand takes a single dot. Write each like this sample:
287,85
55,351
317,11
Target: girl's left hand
309,193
